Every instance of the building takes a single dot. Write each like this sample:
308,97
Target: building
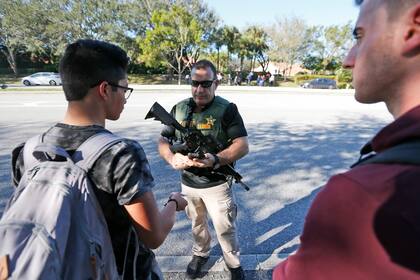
280,68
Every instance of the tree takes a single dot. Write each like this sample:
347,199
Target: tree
231,38
330,44
222,56
175,40
197,8
264,60
202,13
44,28
216,39
243,49
130,21
15,28
289,41
313,63
44,34
27,26
257,46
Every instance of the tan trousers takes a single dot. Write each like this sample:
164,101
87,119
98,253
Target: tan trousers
219,203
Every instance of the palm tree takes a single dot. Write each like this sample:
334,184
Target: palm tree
217,39
256,39
230,37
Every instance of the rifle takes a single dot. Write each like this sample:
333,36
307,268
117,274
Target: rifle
195,143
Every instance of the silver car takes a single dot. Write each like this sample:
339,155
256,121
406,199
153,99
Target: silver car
320,83
42,78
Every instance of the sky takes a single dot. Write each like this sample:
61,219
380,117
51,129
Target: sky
242,13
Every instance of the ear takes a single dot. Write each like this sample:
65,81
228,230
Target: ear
412,33
216,84
103,90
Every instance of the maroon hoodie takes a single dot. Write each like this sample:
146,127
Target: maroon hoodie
364,224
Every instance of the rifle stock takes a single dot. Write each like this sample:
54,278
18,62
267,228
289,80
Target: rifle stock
160,114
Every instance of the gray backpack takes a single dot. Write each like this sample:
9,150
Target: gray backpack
53,226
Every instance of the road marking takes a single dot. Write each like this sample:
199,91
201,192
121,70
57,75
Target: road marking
266,236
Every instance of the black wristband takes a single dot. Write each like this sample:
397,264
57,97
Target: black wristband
216,163
171,199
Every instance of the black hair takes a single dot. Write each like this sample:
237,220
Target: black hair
204,63
86,63
394,7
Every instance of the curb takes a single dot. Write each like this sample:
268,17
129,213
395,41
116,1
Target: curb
249,275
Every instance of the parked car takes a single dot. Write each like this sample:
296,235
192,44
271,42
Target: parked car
321,83
42,78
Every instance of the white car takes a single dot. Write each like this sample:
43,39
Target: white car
42,78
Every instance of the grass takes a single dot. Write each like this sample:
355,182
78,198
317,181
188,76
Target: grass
157,79
11,79
29,89
287,84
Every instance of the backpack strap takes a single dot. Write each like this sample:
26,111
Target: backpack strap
90,150
405,153
28,159
85,156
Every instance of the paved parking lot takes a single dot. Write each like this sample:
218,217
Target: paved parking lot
298,139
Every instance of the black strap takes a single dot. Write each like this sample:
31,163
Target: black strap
190,112
405,153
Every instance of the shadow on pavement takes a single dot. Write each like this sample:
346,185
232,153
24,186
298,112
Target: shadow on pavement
285,168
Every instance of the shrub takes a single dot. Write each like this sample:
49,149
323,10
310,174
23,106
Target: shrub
344,76
344,85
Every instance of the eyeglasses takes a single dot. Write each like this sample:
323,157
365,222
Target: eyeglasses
204,84
127,90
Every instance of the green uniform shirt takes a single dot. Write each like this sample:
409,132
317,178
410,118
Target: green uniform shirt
220,119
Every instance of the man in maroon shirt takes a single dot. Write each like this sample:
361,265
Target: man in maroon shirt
365,223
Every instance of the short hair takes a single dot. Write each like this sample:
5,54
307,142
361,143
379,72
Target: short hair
394,7
86,63
204,63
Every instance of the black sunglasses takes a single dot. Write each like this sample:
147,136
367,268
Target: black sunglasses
204,84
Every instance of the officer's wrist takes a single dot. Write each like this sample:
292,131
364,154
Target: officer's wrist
216,163
172,200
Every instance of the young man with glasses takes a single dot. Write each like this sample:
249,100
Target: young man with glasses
208,192
94,75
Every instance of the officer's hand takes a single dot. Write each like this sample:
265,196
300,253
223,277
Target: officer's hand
182,203
180,162
207,161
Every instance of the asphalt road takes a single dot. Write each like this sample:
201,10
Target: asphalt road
298,139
